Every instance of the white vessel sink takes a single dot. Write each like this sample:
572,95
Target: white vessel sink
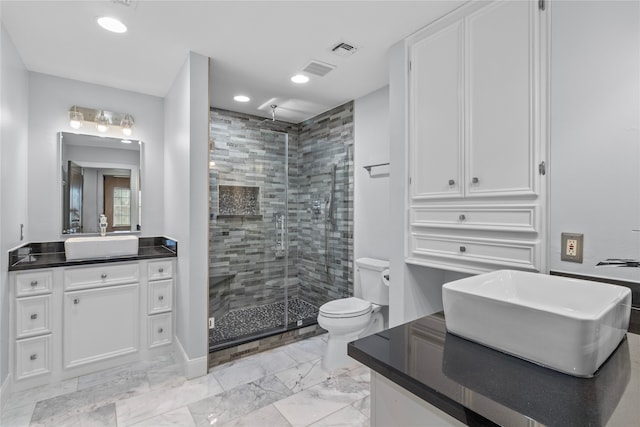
565,324
77,248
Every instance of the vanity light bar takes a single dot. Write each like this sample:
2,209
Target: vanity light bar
78,114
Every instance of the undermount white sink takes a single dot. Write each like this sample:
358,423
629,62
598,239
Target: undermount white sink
78,248
565,324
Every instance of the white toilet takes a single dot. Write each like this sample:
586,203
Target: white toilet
348,319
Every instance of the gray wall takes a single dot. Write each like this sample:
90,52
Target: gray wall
595,134
185,182
13,169
243,248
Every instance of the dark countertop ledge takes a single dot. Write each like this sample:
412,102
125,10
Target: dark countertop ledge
483,387
37,255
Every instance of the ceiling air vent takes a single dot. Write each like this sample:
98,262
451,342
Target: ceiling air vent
344,49
318,68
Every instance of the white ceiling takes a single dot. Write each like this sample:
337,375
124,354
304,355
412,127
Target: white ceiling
255,46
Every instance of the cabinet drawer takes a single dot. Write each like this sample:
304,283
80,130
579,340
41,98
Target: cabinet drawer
160,332
100,275
508,218
497,253
158,270
33,316
34,283
160,296
33,357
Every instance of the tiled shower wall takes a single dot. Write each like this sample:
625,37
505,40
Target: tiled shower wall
243,262
245,268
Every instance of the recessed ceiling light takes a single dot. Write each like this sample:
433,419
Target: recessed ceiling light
242,98
300,78
112,24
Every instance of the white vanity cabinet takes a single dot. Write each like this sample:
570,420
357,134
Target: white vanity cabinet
101,313
33,323
160,303
70,321
476,140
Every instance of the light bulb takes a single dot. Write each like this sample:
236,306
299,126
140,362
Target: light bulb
102,122
127,124
75,119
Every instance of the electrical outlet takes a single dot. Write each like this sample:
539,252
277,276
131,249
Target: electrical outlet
212,322
571,247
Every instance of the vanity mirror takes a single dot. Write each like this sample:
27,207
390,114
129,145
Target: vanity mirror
99,175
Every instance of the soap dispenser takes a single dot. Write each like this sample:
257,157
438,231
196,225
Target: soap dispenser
103,225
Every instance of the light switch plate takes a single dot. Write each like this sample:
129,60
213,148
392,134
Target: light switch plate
571,246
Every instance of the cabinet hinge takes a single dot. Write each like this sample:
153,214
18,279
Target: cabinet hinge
542,168
541,4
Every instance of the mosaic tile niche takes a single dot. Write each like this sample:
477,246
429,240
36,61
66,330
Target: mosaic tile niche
246,269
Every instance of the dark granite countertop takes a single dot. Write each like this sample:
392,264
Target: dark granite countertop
481,386
51,254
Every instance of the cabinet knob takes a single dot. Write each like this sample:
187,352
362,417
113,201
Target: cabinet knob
462,217
76,301
463,249
475,180
452,182
161,270
103,276
33,356
160,330
34,283
160,298
34,316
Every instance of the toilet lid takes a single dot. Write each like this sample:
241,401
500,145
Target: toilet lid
345,307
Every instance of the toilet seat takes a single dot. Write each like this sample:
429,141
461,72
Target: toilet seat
345,307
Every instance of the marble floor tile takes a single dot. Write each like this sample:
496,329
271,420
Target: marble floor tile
348,416
243,371
51,411
166,376
304,375
317,402
107,375
157,402
364,406
18,416
239,401
307,350
180,417
34,395
266,416
103,416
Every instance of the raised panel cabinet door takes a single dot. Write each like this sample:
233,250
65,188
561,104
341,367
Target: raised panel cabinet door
100,323
501,80
436,114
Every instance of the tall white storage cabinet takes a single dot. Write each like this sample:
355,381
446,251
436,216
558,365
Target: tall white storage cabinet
476,96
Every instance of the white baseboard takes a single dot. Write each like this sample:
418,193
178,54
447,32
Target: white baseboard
192,368
5,391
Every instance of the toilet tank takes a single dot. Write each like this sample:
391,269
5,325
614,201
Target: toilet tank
372,284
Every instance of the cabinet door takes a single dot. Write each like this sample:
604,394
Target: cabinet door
100,323
436,115
501,83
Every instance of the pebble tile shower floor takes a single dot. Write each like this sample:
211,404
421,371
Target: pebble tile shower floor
248,321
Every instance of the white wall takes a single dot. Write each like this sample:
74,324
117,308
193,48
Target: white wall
13,169
414,291
49,101
595,137
371,193
186,204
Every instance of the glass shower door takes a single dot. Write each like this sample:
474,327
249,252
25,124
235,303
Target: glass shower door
249,235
